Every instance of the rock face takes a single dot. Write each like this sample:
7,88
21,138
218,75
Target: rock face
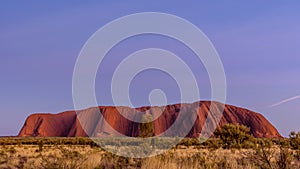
191,120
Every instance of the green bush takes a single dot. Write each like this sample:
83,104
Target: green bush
189,142
212,143
295,140
233,135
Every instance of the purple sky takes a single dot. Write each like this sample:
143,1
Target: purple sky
258,43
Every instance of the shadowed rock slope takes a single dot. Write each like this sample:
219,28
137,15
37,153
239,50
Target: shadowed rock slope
110,121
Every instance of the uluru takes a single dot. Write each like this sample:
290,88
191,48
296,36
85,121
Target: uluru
111,121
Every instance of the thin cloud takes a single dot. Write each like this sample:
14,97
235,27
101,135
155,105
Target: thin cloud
285,100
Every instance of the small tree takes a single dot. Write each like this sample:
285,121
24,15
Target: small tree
41,144
267,157
233,135
295,140
146,128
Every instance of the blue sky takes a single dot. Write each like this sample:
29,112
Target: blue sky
258,43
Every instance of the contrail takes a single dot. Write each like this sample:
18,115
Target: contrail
285,100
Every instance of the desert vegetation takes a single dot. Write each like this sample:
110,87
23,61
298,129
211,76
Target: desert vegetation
232,147
146,128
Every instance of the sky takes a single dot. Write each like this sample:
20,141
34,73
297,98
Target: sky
258,43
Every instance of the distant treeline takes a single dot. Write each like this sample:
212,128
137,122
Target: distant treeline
227,136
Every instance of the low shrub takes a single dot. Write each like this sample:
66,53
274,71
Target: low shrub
234,136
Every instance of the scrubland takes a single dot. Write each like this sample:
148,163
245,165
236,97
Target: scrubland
83,153
232,147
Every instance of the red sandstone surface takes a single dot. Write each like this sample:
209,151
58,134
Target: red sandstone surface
113,122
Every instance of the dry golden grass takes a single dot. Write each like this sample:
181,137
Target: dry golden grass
86,156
